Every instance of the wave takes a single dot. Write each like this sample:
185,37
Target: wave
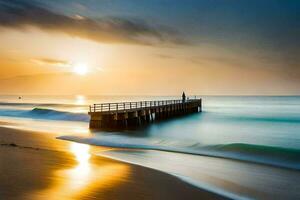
272,155
39,104
284,119
261,150
42,113
269,155
254,117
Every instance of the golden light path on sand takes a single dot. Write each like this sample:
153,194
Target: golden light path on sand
84,178
81,173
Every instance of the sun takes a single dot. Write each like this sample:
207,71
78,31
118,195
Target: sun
80,69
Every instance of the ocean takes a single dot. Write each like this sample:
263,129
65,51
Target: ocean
262,130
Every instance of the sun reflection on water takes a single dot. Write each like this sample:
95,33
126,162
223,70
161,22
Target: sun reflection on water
81,152
85,178
82,155
80,100
80,103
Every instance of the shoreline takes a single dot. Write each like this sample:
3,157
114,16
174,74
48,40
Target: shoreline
53,159
237,159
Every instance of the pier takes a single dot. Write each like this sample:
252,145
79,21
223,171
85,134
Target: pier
134,114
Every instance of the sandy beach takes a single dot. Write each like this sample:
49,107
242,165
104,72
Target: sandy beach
37,166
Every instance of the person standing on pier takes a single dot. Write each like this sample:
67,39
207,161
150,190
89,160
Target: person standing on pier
183,97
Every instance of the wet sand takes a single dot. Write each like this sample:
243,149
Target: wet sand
35,165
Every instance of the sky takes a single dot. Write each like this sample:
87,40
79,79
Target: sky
150,47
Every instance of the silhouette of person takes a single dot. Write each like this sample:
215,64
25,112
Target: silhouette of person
183,97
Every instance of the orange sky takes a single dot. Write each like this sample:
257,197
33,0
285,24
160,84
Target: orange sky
38,60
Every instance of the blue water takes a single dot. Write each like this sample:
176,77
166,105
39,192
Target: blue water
253,128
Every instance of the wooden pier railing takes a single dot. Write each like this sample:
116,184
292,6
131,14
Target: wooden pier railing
125,106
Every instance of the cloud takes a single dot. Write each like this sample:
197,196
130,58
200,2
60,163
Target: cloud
52,62
221,60
20,14
165,56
